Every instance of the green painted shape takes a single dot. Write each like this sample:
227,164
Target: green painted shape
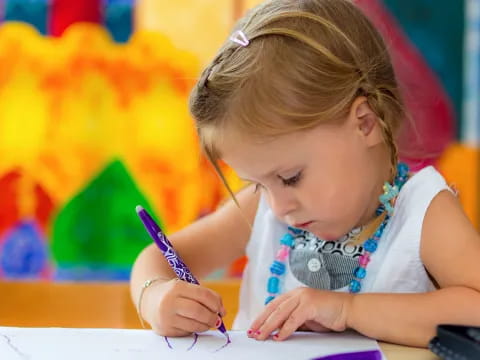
99,225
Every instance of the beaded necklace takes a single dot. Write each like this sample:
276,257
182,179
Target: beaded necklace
387,202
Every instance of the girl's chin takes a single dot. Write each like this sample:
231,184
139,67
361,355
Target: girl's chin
325,236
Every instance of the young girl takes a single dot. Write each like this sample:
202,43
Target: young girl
302,101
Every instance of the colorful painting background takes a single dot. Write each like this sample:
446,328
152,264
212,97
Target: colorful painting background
94,120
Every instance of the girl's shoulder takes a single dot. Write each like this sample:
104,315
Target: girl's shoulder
450,245
419,191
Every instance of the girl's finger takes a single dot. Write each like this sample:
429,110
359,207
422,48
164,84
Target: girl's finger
276,319
174,332
203,295
191,309
189,325
294,321
258,322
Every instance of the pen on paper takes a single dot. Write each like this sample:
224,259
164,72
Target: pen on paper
175,262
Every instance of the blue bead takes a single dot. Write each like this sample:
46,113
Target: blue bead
360,273
370,245
378,233
288,240
277,268
268,299
355,286
272,286
402,169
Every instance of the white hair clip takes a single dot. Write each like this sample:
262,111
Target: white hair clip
240,38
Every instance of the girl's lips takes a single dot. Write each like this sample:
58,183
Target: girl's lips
303,225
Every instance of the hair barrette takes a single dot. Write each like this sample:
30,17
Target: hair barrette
240,38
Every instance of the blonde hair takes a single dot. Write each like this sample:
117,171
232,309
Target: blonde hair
307,61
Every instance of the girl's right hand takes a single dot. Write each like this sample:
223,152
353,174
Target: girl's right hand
178,308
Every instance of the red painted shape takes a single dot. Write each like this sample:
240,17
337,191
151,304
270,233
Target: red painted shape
433,121
9,211
67,12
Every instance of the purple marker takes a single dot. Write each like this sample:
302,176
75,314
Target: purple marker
359,355
173,259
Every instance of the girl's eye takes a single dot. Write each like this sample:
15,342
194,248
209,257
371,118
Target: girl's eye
292,181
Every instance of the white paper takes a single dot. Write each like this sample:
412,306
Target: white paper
102,344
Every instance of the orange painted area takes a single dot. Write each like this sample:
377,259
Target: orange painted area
460,166
70,105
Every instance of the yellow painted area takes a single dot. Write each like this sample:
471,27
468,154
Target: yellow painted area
199,26
251,3
70,105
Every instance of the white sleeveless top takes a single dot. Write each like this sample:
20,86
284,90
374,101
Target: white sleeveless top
395,267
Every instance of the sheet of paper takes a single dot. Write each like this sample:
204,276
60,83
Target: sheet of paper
101,344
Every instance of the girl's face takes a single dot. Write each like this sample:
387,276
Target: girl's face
326,180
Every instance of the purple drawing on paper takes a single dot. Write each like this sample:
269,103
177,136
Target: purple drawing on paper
168,342
195,335
195,339
226,344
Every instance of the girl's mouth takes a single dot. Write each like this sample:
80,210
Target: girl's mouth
303,225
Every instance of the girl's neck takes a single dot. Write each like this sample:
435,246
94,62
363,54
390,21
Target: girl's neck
384,175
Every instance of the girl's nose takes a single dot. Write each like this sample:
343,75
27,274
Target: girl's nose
282,204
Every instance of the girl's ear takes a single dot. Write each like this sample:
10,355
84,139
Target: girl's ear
366,121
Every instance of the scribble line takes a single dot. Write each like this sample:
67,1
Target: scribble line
168,342
195,339
14,348
224,345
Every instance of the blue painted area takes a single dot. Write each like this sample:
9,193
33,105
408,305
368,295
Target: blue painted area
23,253
436,28
217,275
119,19
34,12
89,272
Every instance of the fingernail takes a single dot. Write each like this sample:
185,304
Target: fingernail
250,332
219,321
275,337
257,332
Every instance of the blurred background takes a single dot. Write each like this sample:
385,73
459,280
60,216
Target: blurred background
94,120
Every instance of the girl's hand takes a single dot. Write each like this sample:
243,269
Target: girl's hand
317,310
177,308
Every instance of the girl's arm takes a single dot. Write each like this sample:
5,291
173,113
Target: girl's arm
210,243
450,250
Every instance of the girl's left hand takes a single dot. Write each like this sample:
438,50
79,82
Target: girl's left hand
314,309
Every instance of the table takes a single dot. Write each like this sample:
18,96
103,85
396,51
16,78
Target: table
108,305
